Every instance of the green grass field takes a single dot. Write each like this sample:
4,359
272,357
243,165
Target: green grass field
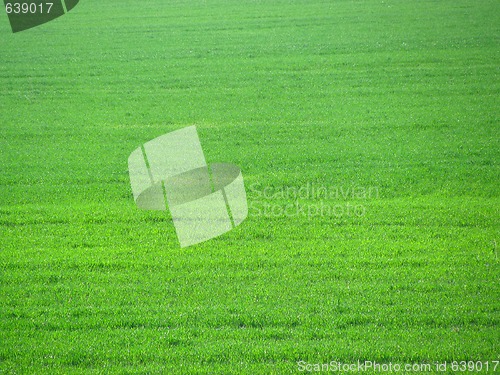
397,99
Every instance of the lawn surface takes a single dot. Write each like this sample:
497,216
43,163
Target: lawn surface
390,107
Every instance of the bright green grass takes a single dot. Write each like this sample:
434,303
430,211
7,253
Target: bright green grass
397,95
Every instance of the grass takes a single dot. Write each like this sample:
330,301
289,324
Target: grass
393,95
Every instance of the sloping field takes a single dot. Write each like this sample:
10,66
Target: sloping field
367,133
